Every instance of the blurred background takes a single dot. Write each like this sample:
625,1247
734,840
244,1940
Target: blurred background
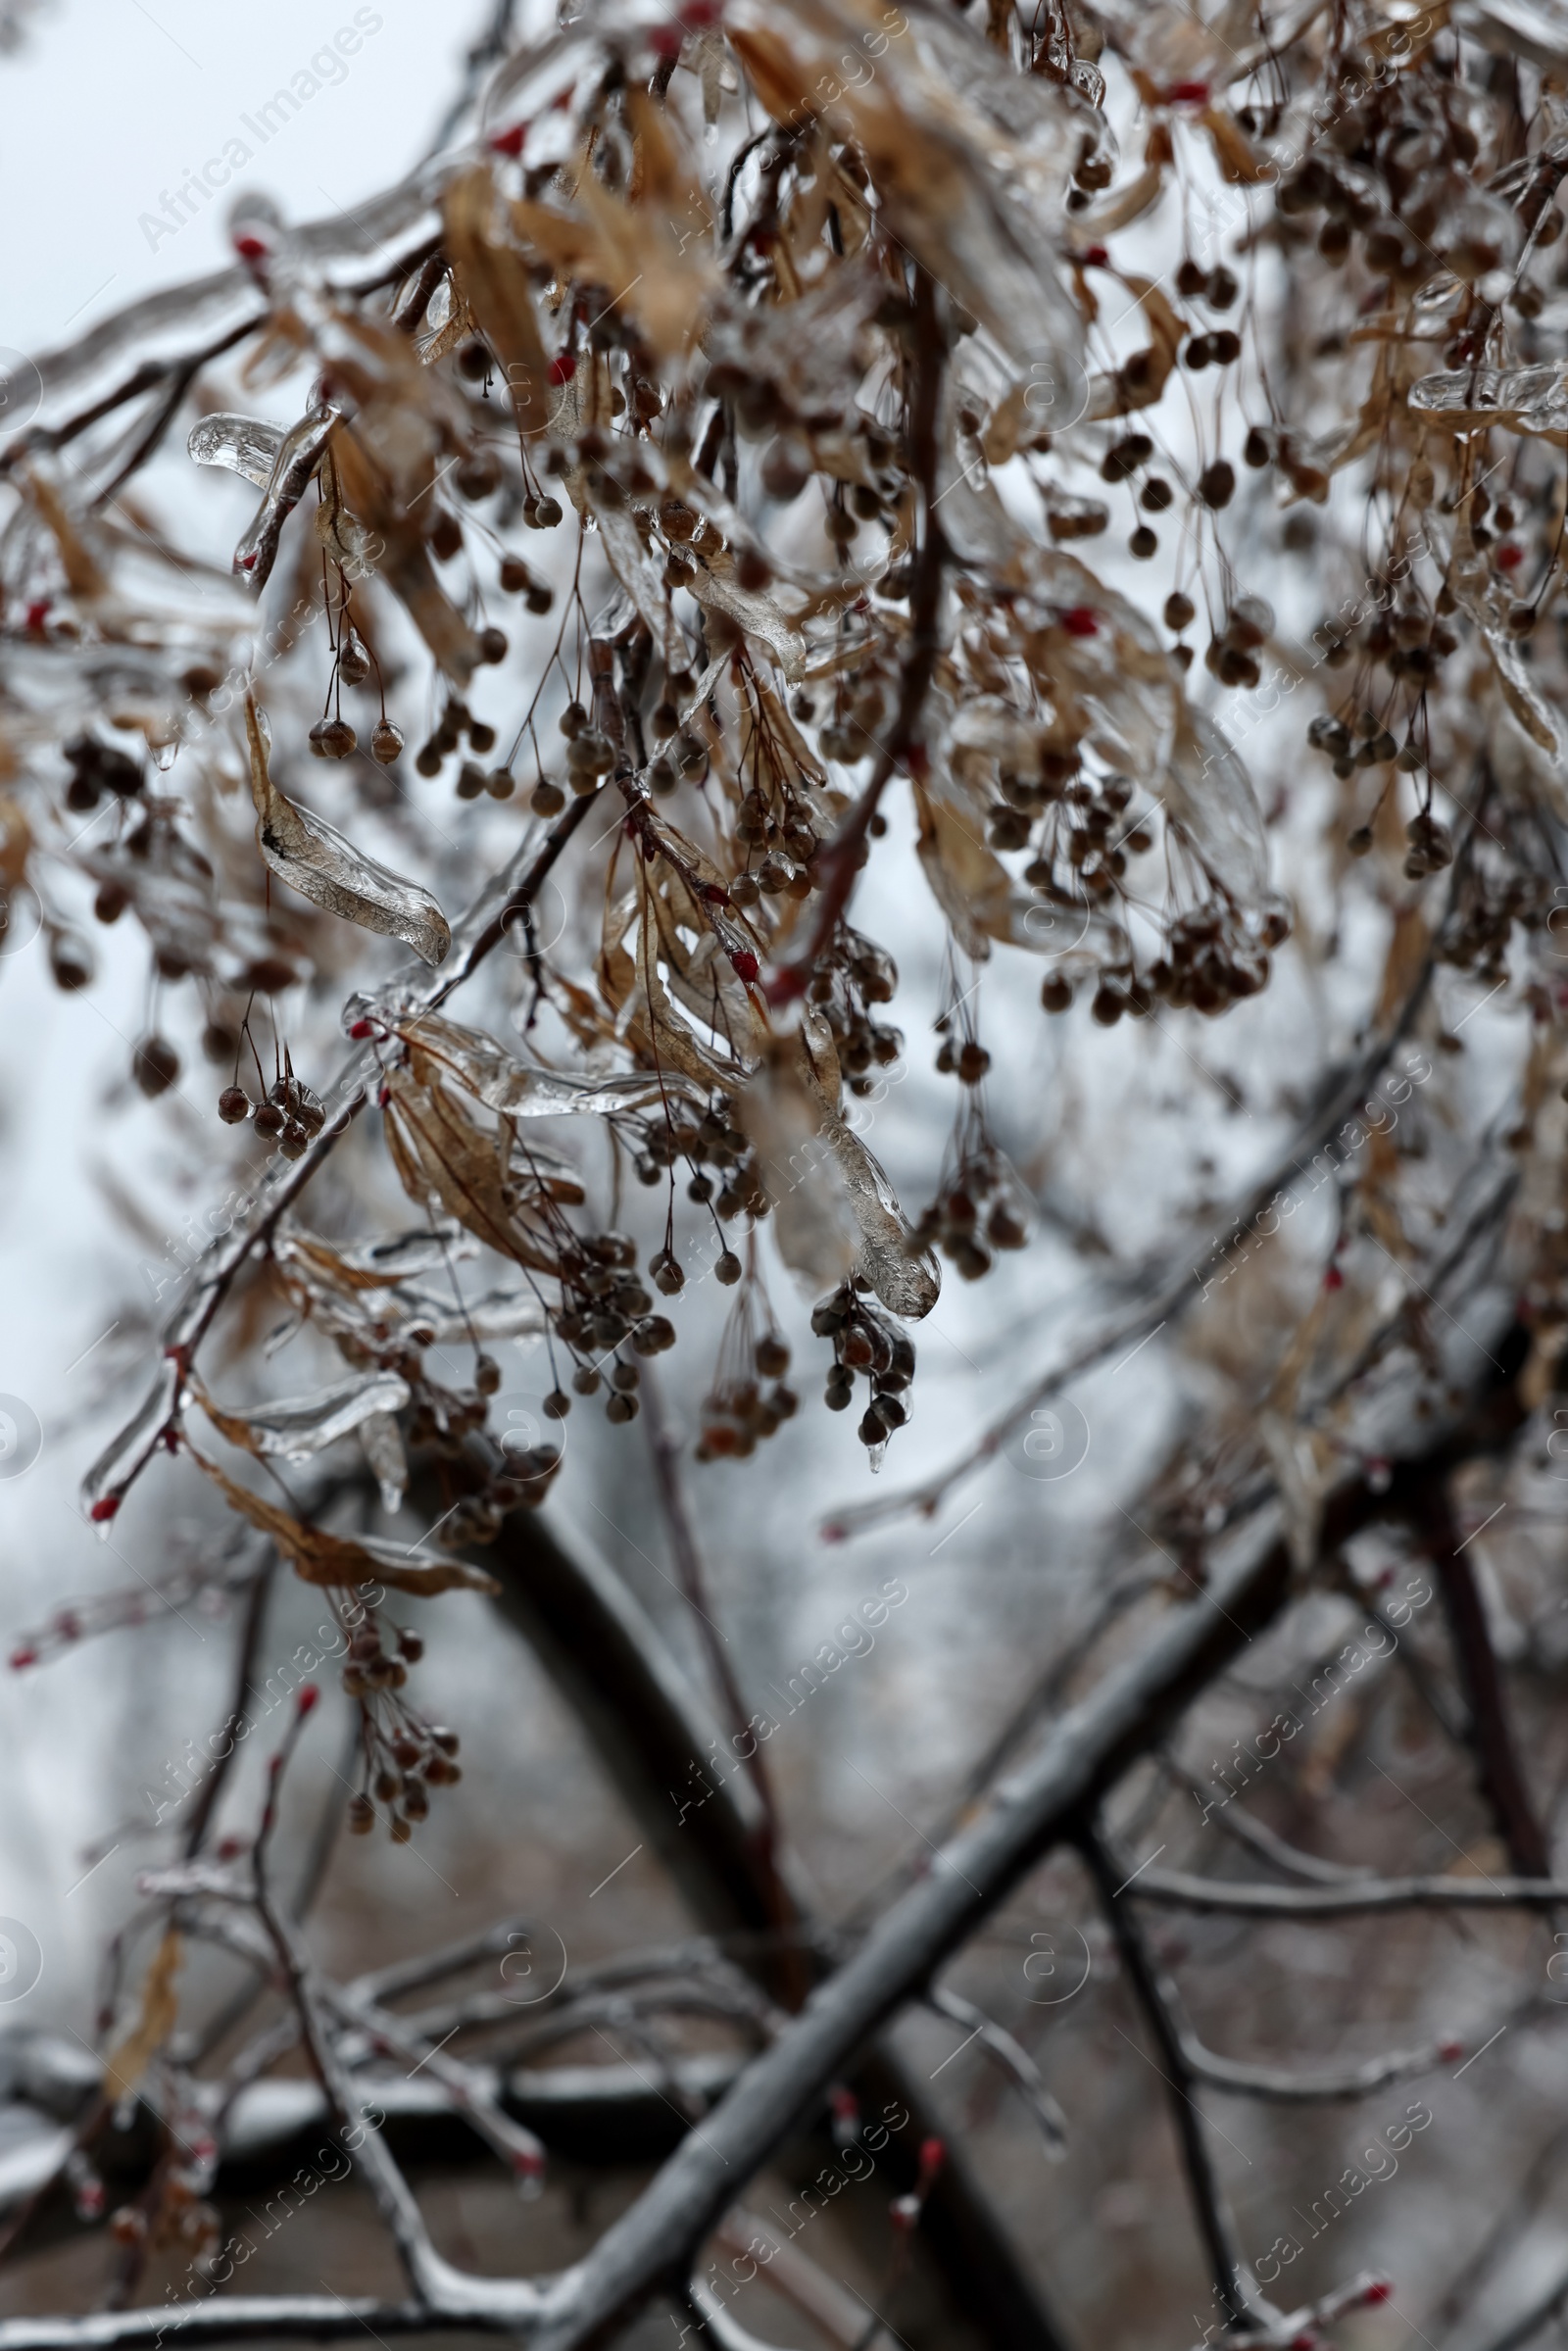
107,104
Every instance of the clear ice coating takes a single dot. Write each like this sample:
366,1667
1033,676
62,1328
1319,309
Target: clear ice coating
296,1426
313,857
244,445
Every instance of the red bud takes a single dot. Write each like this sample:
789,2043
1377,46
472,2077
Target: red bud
104,1508
1079,621
308,1699
562,367
509,142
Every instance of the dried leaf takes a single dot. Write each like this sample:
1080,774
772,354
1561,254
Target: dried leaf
1520,693
313,857
307,1424
829,1184
126,2064
492,278
1210,801
483,1068
1523,400
382,1442
339,1560
442,1156
813,1223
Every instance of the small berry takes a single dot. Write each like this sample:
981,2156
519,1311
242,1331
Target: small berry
728,1268
387,742
233,1104
155,1065
666,1273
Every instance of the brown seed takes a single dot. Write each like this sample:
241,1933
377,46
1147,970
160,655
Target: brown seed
1217,484
445,535
353,661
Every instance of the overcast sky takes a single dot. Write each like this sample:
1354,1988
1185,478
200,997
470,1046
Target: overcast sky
111,103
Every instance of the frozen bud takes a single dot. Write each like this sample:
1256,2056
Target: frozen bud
335,737
667,1276
1250,620
233,1105
387,742
353,659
